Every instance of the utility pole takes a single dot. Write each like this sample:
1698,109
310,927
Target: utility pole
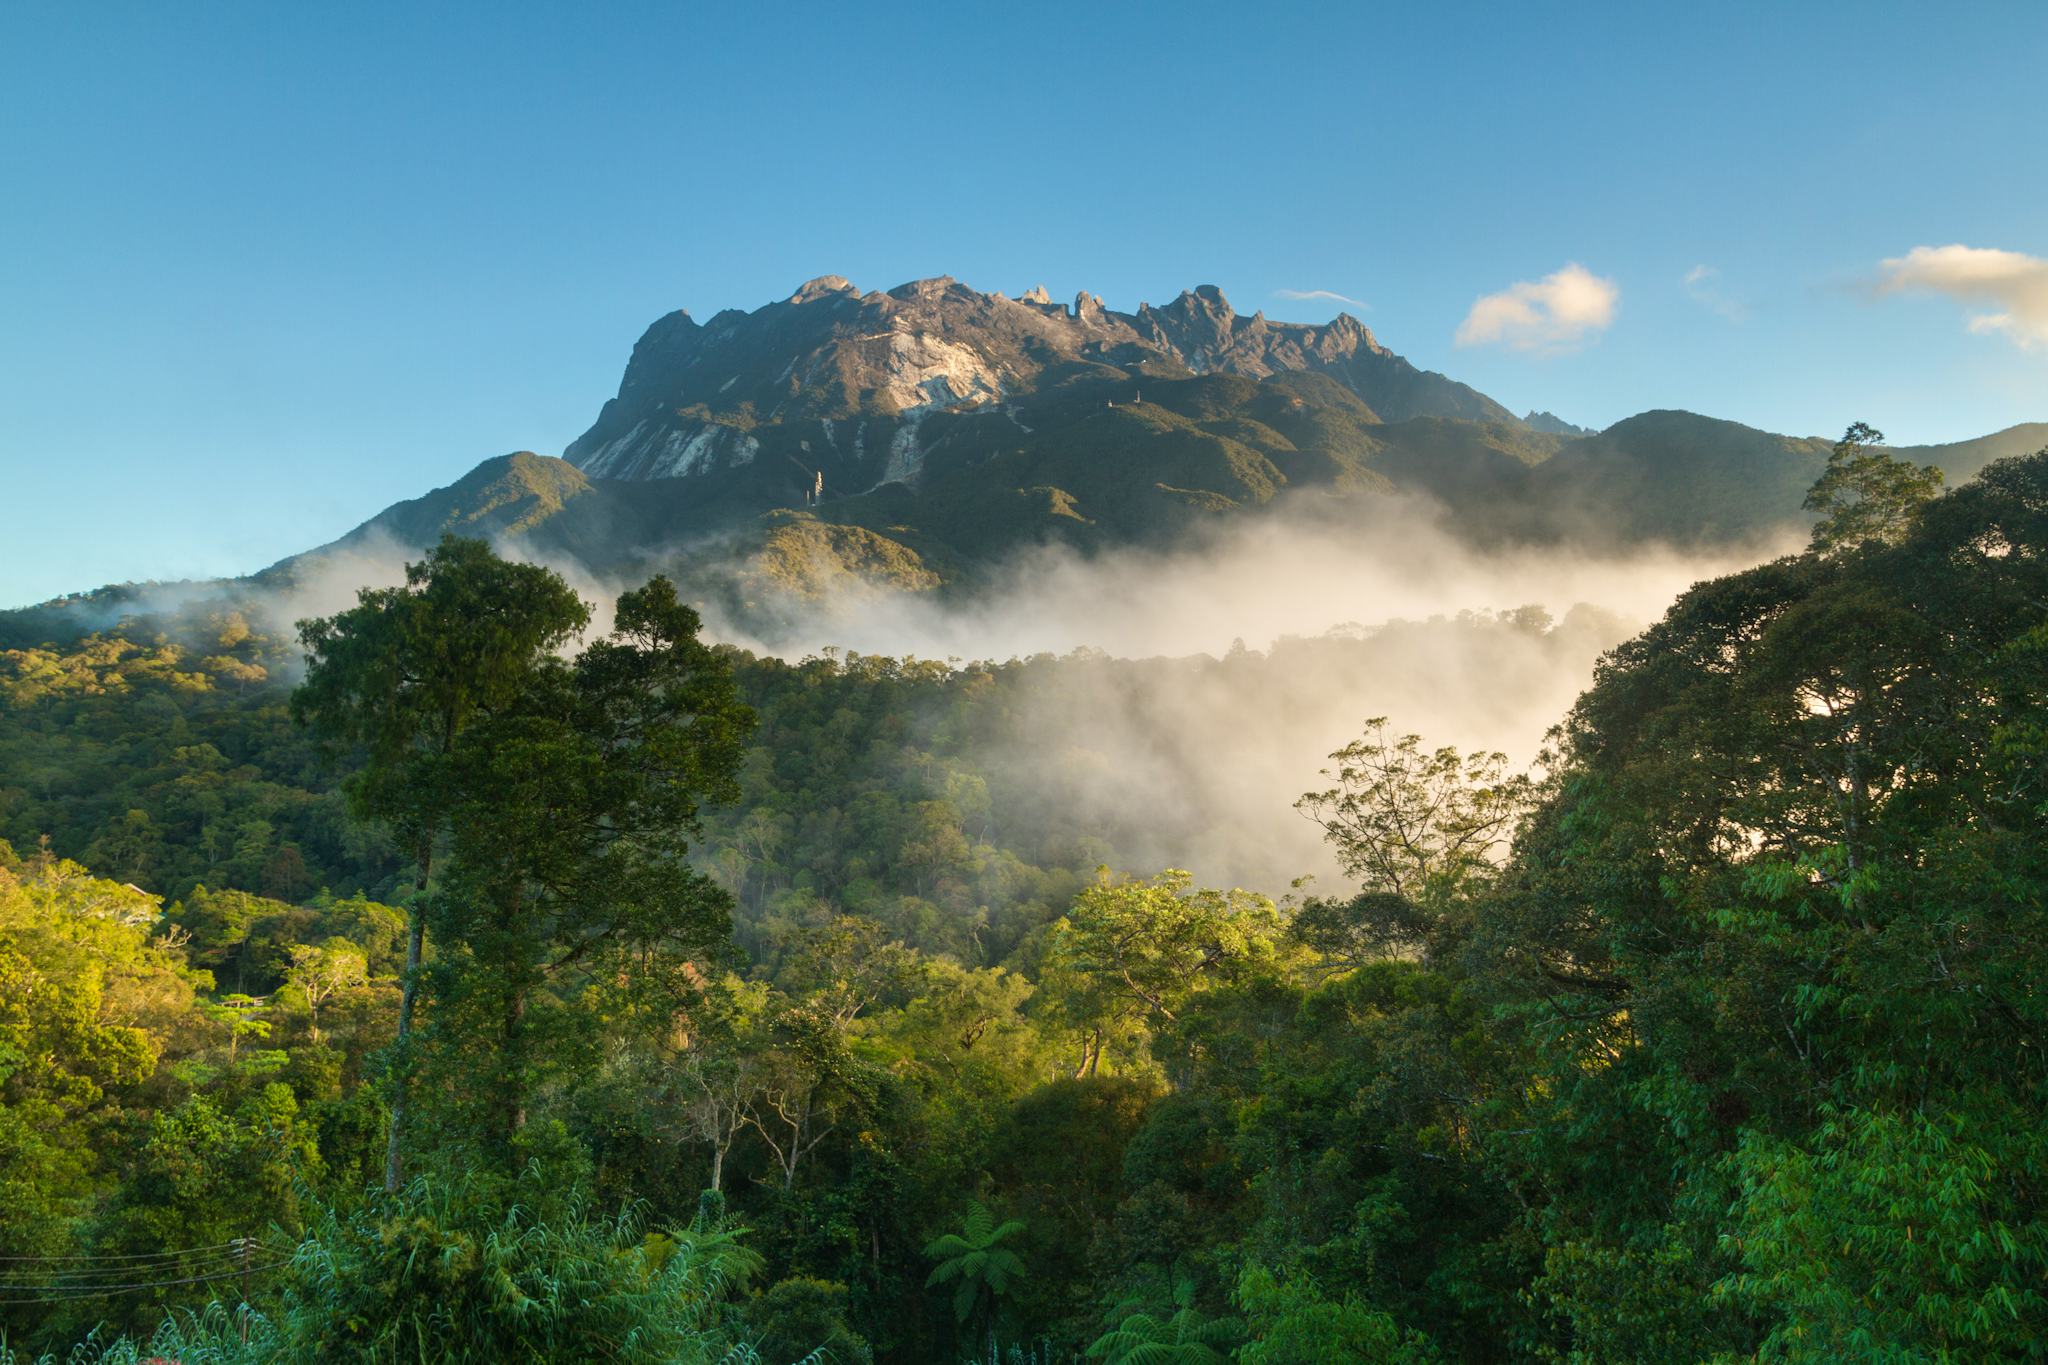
242,1250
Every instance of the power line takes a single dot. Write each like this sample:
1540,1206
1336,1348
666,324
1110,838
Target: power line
230,1245
153,1266
234,1248
61,1293
94,1274
74,1277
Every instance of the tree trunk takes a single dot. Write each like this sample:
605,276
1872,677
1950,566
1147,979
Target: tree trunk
415,941
515,1087
511,1045
1091,1055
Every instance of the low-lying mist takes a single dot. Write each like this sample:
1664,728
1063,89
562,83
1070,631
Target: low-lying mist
1299,570
1197,692
1177,702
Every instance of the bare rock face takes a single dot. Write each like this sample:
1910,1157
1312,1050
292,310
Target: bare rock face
823,287
839,384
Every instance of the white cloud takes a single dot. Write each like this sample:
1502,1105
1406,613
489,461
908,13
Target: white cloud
1701,286
2014,283
1330,294
1554,313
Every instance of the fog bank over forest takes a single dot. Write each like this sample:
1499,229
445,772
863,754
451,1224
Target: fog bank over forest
1180,700
1199,690
1216,677
1301,569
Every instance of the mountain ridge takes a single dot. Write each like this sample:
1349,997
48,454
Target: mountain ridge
917,439
1666,476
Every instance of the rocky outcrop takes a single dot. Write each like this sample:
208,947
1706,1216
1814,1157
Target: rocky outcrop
699,399
1552,423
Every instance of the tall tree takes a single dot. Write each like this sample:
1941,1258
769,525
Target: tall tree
569,857
1420,830
401,678
321,971
1866,493
1780,921
1419,825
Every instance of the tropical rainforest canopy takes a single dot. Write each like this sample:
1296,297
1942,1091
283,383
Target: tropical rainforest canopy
452,982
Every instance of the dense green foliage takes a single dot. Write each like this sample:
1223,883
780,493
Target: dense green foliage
1719,1039
176,762
450,1272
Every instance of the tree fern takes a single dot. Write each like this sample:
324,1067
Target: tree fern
1186,1338
975,1257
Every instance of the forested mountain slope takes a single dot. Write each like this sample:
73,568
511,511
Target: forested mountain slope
1192,453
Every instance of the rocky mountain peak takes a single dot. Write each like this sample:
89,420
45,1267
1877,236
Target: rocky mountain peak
1344,324
1204,301
825,286
1555,425
860,373
931,288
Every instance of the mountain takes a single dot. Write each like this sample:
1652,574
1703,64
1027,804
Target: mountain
508,496
915,440
1688,479
837,384
963,425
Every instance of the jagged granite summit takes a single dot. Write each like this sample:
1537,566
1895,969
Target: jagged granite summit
839,385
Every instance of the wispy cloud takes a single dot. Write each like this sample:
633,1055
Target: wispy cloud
1555,313
2012,282
1330,295
1702,286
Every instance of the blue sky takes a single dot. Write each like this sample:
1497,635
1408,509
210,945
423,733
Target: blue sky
265,269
